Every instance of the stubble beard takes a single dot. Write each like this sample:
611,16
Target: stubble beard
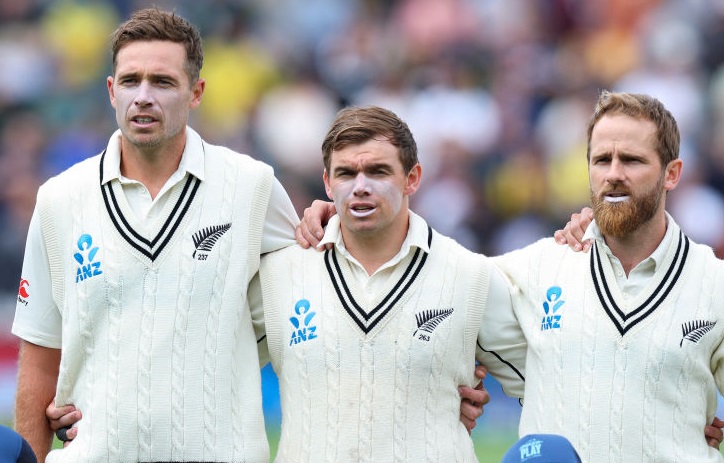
144,141
622,219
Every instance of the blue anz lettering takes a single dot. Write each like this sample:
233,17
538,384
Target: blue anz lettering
551,305
301,321
87,253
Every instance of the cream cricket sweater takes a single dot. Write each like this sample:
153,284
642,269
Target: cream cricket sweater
374,377
625,379
158,349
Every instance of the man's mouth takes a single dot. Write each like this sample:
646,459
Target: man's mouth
616,197
362,211
142,119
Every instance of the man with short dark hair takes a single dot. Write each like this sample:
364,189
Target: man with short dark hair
137,267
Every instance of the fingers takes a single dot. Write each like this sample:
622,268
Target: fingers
66,420
310,230
299,236
471,404
471,411
62,417
713,443
66,434
572,234
713,433
305,233
481,372
560,237
478,395
469,424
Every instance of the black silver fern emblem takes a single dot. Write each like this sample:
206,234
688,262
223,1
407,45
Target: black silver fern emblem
693,331
428,320
206,238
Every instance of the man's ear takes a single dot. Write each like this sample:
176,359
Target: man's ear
672,174
197,91
327,188
111,93
413,180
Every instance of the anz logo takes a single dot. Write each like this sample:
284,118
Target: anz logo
304,330
86,257
551,319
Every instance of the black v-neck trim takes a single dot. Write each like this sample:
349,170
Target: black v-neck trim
149,248
624,322
366,321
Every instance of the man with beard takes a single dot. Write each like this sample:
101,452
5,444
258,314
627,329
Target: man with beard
624,344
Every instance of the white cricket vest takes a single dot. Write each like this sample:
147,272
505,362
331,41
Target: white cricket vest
158,349
626,379
374,377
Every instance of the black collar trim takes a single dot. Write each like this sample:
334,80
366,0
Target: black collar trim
366,321
149,248
624,322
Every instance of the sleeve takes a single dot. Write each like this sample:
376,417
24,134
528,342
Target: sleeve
717,357
281,220
37,319
502,345
256,307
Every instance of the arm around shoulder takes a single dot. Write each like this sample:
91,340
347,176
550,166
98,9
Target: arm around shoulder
502,345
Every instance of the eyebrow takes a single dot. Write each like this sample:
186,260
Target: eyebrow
151,76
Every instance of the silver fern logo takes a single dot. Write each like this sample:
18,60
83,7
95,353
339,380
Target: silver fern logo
428,320
206,238
693,331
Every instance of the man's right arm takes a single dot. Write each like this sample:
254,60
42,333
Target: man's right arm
37,378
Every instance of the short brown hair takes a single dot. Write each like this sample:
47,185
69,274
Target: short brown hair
645,107
151,24
356,125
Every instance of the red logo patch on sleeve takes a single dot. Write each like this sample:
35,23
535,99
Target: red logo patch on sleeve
23,290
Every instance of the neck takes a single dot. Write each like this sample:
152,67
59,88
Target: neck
375,249
632,249
150,166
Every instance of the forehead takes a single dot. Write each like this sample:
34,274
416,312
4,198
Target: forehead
377,151
623,132
151,56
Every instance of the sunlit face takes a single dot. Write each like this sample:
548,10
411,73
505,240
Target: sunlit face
626,176
151,93
370,188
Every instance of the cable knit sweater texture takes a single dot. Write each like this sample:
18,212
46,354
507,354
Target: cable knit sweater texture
373,377
625,379
158,349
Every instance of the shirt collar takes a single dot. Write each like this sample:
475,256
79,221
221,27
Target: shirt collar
417,235
192,159
594,233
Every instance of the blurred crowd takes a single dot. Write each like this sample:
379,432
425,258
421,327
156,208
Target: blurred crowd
497,92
